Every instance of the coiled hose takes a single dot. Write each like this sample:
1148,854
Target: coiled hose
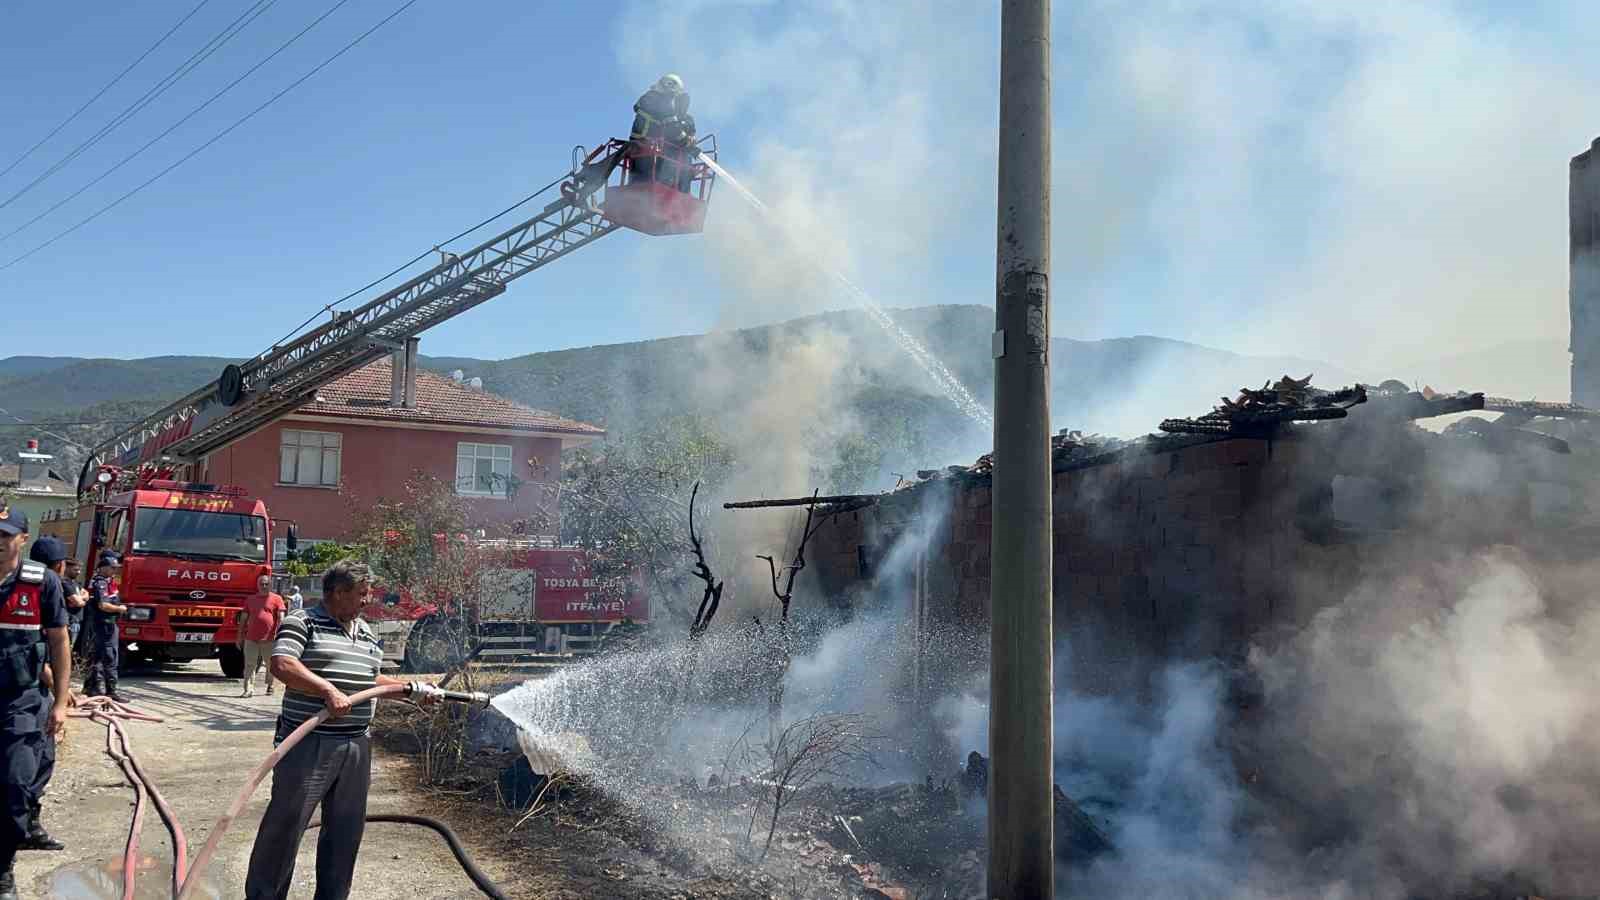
119,747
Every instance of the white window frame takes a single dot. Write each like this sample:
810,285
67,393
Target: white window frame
473,452
326,444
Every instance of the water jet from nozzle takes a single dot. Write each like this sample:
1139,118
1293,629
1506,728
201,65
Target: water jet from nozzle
952,387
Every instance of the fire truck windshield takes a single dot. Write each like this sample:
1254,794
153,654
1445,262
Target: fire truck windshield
200,535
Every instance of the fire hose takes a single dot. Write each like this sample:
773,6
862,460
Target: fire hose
185,877
119,747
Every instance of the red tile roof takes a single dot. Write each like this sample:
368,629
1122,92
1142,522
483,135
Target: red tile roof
364,394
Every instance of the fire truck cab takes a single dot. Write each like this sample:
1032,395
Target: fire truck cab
191,554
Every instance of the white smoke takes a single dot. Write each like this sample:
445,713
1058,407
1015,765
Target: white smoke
1378,187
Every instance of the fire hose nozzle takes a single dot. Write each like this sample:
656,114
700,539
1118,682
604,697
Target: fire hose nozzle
420,689
473,698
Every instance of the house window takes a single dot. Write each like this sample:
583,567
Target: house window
483,470
309,458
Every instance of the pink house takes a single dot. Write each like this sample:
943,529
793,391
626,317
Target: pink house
365,434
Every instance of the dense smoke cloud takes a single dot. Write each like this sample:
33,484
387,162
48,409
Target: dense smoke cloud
1430,734
1447,717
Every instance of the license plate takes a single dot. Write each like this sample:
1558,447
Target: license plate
195,637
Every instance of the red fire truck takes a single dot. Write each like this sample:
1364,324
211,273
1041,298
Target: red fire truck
193,551
538,606
190,552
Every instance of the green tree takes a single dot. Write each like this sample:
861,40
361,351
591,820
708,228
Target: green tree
627,503
315,559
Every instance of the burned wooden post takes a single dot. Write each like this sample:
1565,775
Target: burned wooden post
712,598
781,645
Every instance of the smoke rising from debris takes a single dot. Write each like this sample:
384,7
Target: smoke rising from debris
1432,734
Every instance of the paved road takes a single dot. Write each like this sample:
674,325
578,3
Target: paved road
198,758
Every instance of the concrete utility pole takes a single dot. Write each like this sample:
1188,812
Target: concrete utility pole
1021,802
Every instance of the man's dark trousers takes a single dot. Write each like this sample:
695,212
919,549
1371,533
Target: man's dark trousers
19,755
327,769
41,779
103,669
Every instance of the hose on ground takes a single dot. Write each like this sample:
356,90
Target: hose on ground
489,888
254,781
237,806
119,746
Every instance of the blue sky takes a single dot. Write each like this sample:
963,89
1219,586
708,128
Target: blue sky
1270,175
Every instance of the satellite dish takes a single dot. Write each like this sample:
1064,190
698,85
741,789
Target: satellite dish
230,387
84,481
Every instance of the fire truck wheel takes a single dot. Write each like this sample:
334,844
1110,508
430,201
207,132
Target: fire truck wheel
429,648
232,659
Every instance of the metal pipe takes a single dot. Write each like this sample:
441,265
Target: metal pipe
1021,802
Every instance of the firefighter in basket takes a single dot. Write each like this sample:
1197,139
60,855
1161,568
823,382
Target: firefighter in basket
661,121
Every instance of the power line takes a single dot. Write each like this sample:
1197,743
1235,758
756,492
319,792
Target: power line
98,94
60,437
408,264
176,125
172,78
219,136
21,424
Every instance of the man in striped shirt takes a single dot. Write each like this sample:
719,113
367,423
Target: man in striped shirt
323,655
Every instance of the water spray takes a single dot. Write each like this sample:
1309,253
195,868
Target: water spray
952,387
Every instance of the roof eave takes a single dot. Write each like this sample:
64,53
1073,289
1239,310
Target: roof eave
591,433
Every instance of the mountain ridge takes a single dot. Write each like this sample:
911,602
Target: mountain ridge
862,389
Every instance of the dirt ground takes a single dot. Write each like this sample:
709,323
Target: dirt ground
198,758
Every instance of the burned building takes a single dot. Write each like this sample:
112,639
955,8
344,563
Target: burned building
1203,540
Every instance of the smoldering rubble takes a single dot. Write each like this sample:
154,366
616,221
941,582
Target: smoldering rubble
1400,705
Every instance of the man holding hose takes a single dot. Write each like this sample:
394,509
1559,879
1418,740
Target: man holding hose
323,655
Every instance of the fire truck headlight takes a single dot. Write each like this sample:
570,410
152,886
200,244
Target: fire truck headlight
140,613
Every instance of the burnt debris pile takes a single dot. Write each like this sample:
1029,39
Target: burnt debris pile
1259,412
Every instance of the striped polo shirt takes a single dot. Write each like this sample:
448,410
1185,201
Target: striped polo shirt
349,660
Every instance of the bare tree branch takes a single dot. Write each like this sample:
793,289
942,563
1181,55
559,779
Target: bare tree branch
793,569
712,598
819,747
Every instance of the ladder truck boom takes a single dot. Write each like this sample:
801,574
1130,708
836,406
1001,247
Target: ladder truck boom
273,384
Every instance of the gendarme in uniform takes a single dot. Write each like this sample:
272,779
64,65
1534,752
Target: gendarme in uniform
32,611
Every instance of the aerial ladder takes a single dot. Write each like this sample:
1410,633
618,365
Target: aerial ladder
599,196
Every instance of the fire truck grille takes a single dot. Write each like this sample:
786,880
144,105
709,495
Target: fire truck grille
188,611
